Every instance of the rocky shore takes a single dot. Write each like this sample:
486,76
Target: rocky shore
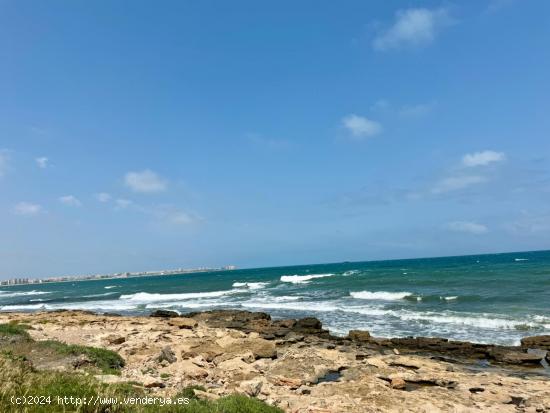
300,367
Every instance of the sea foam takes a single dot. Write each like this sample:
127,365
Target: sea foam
380,295
144,297
302,279
251,286
6,294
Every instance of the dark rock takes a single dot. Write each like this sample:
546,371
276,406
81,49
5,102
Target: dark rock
515,357
476,390
167,354
81,361
542,342
115,340
288,323
164,313
308,323
517,400
359,335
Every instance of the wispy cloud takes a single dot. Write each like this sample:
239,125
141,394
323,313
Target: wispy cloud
467,226
42,162
412,28
529,223
70,200
454,183
145,181
482,158
122,203
360,127
27,209
4,162
103,197
171,215
416,111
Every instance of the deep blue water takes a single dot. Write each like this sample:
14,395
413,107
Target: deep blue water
495,298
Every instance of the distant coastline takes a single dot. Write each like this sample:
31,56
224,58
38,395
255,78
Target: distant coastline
73,278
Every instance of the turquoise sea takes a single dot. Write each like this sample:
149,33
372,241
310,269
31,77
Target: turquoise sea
496,298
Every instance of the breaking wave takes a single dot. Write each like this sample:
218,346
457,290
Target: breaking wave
380,295
144,297
7,294
251,286
302,279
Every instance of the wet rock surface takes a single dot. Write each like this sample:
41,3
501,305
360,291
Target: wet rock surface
298,366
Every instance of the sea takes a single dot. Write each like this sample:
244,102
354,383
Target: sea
495,298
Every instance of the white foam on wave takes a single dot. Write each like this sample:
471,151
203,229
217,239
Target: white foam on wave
297,306
380,295
521,259
104,305
25,307
108,287
350,272
144,297
7,294
251,286
450,298
302,279
98,295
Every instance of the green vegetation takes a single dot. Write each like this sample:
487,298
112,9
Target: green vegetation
19,378
14,329
189,393
107,361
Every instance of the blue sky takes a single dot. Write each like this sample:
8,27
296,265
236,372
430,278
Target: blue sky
141,135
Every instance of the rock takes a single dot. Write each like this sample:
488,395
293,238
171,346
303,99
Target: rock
191,370
516,357
183,323
308,323
167,354
164,313
251,387
286,381
151,382
205,395
542,342
395,351
113,339
81,360
359,335
263,349
398,383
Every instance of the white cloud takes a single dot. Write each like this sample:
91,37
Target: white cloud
4,162
123,203
454,183
27,209
70,200
361,127
42,162
103,197
412,28
467,226
145,181
482,158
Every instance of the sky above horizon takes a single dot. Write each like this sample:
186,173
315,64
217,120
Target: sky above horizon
144,136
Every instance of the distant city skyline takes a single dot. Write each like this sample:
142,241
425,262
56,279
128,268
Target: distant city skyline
183,134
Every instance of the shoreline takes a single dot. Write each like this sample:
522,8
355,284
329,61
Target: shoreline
300,367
